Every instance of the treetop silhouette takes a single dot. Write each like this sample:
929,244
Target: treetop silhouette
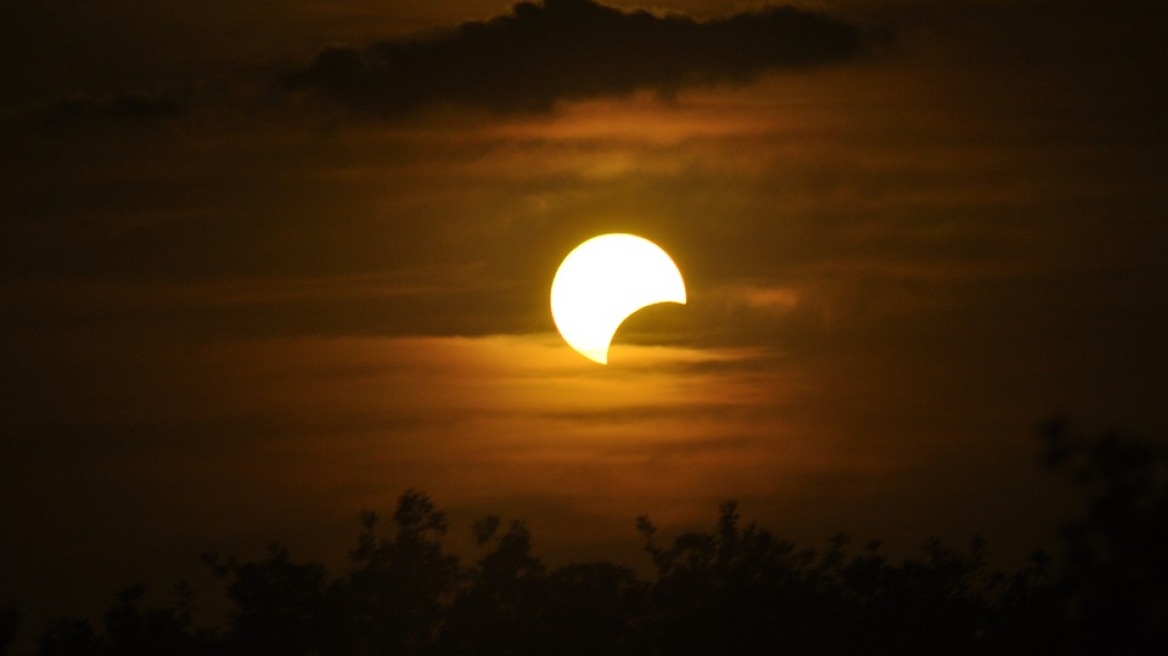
737,589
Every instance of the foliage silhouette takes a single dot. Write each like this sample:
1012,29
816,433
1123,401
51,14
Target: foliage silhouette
131,630
735,590
1115,574
8,622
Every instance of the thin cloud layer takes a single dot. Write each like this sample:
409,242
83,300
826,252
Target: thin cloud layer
570,50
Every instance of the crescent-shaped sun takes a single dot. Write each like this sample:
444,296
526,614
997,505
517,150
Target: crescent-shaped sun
605,280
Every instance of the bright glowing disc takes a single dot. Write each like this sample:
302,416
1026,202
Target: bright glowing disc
605,280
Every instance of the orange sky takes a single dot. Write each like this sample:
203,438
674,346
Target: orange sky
253,318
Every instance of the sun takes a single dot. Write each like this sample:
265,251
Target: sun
605,280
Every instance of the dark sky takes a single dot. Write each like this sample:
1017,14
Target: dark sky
266,264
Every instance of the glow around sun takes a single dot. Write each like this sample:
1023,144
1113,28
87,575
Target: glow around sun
605,280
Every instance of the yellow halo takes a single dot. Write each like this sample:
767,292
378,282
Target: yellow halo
605,280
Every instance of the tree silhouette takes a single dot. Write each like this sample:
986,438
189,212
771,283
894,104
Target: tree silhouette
735,590
278,604
394,598
8,623
130,629
1115,574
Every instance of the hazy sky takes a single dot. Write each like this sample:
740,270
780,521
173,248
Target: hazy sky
266,264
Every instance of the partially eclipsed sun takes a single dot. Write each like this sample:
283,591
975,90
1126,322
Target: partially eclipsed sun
602,282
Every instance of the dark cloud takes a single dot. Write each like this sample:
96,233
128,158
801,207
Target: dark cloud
125,108
572,49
